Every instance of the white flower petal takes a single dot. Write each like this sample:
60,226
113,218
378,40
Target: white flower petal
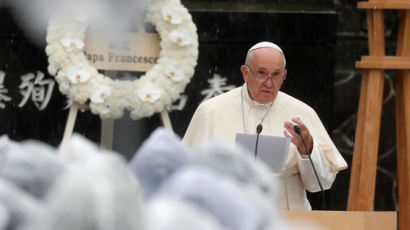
100,93
171,15
174,72
180,36
78,75
79,44
72,44
149,93
66,42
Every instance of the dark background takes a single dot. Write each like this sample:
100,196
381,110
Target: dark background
321,40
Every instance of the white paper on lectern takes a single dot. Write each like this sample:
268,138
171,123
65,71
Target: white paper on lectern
273,150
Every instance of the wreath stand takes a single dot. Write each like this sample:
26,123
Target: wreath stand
107,125
364,166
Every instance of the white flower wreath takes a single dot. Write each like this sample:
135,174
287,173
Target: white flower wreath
152,92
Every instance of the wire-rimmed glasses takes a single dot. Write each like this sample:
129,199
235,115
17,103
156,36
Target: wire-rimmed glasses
262,76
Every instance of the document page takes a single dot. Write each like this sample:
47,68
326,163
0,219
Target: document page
273,150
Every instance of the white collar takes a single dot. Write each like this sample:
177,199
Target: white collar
248,100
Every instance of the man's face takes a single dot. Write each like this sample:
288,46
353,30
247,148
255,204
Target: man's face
265,61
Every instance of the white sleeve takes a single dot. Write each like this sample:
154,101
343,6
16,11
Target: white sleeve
323,169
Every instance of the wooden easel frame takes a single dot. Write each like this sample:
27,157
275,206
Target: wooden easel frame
363,177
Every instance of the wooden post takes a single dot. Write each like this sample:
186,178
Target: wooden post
402,82
72,117
166,121
69,126
363,181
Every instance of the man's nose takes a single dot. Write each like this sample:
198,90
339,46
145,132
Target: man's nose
268,82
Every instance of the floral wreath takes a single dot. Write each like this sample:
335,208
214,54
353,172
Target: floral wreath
152,92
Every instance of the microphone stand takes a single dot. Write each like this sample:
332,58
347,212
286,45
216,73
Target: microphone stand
297,130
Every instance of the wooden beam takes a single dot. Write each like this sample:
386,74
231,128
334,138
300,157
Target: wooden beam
358,143
377,36
384,5
364,165
402,82
391,62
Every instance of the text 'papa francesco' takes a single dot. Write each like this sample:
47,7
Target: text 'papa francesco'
113,57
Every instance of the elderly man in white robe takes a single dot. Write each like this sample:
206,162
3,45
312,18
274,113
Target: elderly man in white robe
259,101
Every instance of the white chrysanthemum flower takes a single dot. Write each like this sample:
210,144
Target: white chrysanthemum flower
71,44
78,74
52,68
149,93
180,36
174,72
172,15
64,86
100,93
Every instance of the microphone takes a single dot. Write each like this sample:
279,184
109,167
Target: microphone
258,131
297,130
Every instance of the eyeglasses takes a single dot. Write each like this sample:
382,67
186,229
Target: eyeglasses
262,76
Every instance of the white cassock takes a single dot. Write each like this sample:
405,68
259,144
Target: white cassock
235,112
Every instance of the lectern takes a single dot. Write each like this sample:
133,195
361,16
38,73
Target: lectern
342,220
363,177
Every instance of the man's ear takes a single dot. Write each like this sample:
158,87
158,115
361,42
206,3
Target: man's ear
244,71
284,73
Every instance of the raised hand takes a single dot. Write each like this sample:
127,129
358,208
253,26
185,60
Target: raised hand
295,138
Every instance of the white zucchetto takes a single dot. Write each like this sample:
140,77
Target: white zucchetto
266,45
